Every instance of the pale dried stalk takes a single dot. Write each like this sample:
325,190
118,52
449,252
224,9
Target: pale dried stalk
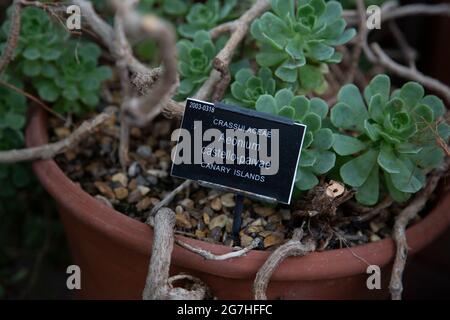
391,11
158,285
13,36
123,48
399,232
168,198
222,60
107,35
141,110
50,150
210,256
410,73
293,247
362,36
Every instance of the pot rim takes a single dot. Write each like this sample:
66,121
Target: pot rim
137,236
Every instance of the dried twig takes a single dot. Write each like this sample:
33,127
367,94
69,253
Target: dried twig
123,48
239,30
106,33
210,256
391,10
410,73
33,98
370,213
52,149
362,36
399,232
168,198
409,53
141,110
293,247
158,285
13,37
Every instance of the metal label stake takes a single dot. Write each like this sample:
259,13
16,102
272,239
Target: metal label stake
237,219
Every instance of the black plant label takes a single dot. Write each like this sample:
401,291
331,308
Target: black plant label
241,150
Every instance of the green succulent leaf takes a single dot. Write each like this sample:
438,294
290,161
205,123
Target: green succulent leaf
324,163
287,111
379,85
368,193
267,103
323,139
345,145
411,93
356,171
305,179
297,43
388,160
410,178
395,194
350,95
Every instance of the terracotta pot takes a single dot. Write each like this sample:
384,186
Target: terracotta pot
113,250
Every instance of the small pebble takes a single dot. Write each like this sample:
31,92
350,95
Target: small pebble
144,151
200,234
264,211
216,204
187,203
218,222
374,238
141,181
228,200
134,196
134,169
216,234
206,218
183,220
179,209
285,214
273,239
157,173
121,193
143,190
104,189
246,240
121,178
144,204
152,180
104,200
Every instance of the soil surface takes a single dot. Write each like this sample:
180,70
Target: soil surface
203,213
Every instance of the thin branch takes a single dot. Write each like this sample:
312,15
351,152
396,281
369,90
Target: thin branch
222,60
415,10
391,10
33,98
123,48
409,53
222,29
50,150
13,37
141,110
210,256
373,212
168,198
106,33
362,36
399,232
411,73
293,247
158,285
